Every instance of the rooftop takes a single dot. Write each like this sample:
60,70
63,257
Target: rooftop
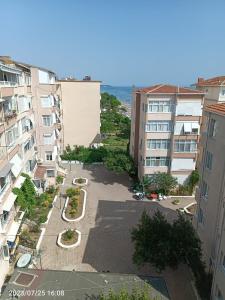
214,81
80,285
218,108
7,60
167,89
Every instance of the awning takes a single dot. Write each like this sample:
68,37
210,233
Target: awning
187,127
195,126
8,204
17,165
19,182
5,170
9,69
11,235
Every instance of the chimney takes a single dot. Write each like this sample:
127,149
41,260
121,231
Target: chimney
200,79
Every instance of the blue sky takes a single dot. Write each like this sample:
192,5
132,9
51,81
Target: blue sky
119,42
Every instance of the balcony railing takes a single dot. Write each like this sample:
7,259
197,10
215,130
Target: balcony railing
10,115
8,83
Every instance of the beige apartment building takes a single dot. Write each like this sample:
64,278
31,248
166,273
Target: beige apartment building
30,125
17,153
214,89
81,112
165,127
210,197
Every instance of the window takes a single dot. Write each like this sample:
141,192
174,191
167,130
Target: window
200,216
212,128
208,160
47,120
3,183
157,161
223,92
50,173
4,252
47,138
11,135
46,101
159,106
185,146
158,144
204,190
48,155
161,126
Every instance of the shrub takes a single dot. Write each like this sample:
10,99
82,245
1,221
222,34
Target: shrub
80,180
68,235
70,192
59,179
74,203
51,189
42,218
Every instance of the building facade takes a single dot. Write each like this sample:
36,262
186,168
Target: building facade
30,137
210,197
81,112
165,125
17,153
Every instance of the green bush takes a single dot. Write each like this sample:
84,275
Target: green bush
71,192
59,179
68,235
42,218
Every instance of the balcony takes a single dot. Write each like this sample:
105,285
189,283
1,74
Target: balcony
8,84
9,115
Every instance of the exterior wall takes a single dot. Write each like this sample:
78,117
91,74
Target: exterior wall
185,109
16,118
210,226
43,85
81,112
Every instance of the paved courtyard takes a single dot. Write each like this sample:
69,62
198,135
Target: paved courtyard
111,212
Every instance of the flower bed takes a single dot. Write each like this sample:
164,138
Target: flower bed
74,208
29,237
69,238
81,181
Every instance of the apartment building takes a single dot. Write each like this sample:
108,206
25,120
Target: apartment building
210,197
48,118
81,112
30,139
165,125
17,154
214,89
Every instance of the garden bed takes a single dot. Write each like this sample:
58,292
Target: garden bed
29,237
80,181
70,214
69,238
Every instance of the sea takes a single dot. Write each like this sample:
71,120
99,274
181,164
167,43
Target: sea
123,93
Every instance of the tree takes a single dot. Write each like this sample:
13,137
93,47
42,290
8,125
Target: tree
193,179
162,244
119,162
151,240
136,294
162,183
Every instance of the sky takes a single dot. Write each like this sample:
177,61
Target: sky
120,42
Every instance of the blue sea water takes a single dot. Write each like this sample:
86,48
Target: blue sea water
123,93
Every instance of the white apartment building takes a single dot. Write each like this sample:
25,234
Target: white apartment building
165,125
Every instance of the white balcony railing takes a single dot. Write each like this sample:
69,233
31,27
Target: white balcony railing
8,84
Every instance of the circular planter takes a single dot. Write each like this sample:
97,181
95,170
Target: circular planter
59,243
83,210
85,181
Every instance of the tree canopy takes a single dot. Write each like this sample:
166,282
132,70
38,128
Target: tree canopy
162,244
162,183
